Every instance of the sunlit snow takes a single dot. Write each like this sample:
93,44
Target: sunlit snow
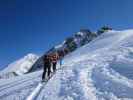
100,70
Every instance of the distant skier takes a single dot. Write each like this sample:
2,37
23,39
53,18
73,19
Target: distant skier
46,67
54,59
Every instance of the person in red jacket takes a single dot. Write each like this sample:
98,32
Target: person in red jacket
54,59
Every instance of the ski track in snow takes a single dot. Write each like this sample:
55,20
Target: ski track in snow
92,72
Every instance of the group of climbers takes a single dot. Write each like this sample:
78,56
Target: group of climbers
50,62
50,59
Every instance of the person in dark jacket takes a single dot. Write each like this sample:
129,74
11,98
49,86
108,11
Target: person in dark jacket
46,67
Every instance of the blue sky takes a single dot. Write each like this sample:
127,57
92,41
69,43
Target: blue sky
34,26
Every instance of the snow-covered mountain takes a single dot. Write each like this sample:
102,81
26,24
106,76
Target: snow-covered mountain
32,62
77,40
70,44
20,66
100,70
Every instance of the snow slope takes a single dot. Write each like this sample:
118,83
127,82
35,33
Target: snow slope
20,66
100,70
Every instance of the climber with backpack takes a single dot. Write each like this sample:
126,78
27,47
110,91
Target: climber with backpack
46,67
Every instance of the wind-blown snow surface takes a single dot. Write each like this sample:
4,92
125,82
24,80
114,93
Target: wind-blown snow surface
101,70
